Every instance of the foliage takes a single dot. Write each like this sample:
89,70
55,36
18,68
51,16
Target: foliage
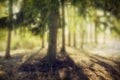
82,6
109,5
2,34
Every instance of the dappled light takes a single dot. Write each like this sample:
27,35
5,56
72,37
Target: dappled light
59,40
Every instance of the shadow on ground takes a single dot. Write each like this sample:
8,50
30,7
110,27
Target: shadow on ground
90,67
63,69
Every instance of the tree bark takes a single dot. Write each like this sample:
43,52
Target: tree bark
91,34
43,42
69,38
104,40
96,36
63,26
53,29
7,54
74,39
105,25
83,36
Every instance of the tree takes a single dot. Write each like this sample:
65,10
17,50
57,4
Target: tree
63,25
82,35
69,38
96,31
7,54
53,21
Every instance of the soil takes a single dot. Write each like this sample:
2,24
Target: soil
75,64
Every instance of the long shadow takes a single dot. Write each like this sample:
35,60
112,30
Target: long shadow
115,61
112,72
32,55
67,66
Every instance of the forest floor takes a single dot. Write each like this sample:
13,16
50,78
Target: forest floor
75,64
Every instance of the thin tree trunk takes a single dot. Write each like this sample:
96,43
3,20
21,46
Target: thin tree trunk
7,54
74,39
95,28
86,38
82,34
69,38
104,40
96,41
105,25
82,42
63,27
43,42
91,35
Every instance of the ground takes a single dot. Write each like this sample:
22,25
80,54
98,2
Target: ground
75,64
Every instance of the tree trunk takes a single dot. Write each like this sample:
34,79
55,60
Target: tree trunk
82,34
74,39
104,40
86,37
7,54
91,34
43,42
82,42
105,25
96,41
69,38
63,27
52,48
53,29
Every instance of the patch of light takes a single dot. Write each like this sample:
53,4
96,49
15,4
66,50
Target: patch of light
38,19
17,6
102,26
108,31
32,25
66,31
88,27
108,14
100,12
102,19
14,17
15,9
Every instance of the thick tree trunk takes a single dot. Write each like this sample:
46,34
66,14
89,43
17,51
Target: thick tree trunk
63,27
53,29
52,47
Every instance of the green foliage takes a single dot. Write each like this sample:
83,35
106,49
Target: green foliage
37,12
2,34
24,40
2,1
108,5
3,39
82,6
